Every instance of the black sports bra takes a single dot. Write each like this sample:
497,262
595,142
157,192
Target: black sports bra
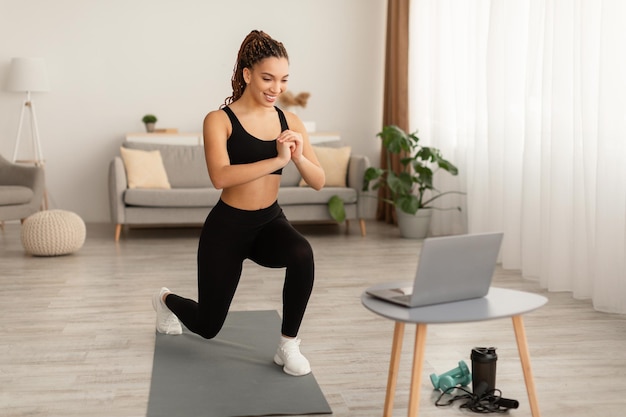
243,148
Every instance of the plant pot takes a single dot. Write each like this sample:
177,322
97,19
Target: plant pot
414,226
150,127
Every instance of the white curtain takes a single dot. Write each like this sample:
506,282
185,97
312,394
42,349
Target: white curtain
528,98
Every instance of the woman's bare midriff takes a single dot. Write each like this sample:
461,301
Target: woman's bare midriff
255,195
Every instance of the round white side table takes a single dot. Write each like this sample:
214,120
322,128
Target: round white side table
498,303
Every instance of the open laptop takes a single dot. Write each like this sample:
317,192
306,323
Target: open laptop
450,268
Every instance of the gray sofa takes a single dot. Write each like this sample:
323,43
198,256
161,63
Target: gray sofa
22,190
192,195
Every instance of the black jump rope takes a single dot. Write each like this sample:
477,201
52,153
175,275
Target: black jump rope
480,401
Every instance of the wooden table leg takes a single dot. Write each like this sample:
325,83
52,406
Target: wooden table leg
118,231
394,366
416,375
522,347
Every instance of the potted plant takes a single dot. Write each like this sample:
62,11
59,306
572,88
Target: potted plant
149,120
411,190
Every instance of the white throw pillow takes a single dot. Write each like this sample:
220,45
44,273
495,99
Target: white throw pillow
144,169
334,162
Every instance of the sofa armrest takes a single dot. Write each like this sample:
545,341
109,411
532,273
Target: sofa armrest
32,177
356,172
117,187
37,182
16,174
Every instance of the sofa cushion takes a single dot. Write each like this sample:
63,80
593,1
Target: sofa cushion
15,194
291,176
175,197
305,195
144,169
334,161
185,164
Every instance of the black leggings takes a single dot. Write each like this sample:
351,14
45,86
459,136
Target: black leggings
229,236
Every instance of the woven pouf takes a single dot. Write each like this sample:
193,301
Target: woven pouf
53,232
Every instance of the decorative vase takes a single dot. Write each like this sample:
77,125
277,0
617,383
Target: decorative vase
414,226
149,127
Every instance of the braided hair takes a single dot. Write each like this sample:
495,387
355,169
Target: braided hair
257,46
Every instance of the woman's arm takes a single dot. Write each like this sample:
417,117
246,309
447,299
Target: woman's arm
303,154
222,173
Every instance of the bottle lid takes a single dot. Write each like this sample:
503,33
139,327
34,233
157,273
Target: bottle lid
484,354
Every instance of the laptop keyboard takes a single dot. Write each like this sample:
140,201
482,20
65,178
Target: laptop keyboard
404,298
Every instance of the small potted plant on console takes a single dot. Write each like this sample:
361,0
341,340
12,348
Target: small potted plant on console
149,120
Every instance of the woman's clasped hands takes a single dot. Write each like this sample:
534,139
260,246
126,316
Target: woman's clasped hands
290,141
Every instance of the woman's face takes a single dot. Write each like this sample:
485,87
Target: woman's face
267,80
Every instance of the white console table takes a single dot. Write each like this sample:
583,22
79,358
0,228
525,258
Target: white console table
323,137
196,138
175,138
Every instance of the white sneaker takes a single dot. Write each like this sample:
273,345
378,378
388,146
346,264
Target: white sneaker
289,357
166,321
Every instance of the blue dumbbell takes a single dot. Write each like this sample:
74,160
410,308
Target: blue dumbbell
457,376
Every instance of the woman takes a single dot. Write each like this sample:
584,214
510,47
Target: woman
247,143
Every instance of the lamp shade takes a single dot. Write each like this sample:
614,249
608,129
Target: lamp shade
28,75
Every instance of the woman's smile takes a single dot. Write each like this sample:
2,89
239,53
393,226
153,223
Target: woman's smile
271,98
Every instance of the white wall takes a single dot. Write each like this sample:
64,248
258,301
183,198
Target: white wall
110,62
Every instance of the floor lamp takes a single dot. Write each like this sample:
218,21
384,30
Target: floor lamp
28,75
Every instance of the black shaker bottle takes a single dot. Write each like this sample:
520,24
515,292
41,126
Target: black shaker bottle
483,370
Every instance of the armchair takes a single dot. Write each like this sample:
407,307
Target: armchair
21,190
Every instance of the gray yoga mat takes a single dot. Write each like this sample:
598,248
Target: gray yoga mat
232,375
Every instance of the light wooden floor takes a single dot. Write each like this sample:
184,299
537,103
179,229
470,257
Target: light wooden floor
77,332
